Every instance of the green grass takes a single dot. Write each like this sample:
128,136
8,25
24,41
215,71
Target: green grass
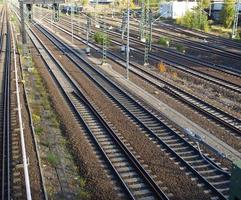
39,130
36,119
164,41
180,48
221,31
82,193
52,159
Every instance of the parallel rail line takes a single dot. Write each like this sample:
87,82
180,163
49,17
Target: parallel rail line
135,180
216,114
5,115
185,68
154,126
197,45
13,148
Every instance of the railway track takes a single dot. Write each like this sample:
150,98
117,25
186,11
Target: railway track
197,61
218,116
171,61
124,167
192,44
13,185
156,127
181,60
202,35
5,109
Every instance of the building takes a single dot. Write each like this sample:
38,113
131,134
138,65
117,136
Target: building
175,9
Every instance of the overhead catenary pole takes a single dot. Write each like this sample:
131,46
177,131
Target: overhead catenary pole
24,39
88,30
123,30
142,22
128,42
235,23
72,23
104,45
147,33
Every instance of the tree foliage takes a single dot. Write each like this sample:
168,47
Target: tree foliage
99,38
227,13
205,3
84,2
194,19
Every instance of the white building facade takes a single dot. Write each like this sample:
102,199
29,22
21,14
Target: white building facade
176,9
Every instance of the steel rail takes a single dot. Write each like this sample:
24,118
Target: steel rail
6,119
22,140
105,83
193,59
194,44
213,79
226,119
77,91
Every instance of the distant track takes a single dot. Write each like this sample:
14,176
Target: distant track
217,115
171,58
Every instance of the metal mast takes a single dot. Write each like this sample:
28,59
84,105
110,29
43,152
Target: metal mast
128,42
88,29
123,30
142,22
56,12
23,32
104,46
147,34
235,23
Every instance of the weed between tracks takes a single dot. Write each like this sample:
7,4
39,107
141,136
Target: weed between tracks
56,160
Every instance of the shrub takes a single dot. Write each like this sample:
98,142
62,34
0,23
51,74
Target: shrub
227,13
180,48
99,38
164,41
194,19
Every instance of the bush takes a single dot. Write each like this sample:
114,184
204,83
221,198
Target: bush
99,38
194,19
227,13
164,41
180,48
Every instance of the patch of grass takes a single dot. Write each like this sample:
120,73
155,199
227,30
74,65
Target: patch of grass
52,159
55,122
13,18
221,31
164,41
46,143
64,142
39,130
36,119
82,193
180,48
50,191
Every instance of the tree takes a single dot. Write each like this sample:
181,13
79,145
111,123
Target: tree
194,19
227,13
205,3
